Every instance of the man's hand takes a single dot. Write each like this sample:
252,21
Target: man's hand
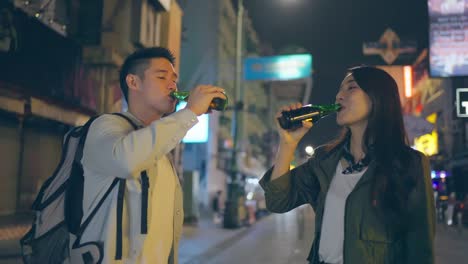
200,98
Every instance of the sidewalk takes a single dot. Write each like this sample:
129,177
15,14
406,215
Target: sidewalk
200,241
205,240
12,229
451,245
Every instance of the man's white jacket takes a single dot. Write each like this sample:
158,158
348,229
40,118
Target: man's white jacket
114,149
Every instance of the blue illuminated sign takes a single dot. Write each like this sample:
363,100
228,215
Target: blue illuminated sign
287,67
198,133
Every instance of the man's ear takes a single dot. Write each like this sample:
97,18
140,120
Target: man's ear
132,81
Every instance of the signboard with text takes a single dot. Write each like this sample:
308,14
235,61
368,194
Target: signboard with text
448,37
279,68
462,102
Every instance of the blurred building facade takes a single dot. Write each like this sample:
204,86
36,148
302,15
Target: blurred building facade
59,66
208,51
433,99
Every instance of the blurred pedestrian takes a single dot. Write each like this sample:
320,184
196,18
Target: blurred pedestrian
371,192
449,212
216,207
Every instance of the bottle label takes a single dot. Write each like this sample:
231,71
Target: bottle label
305,116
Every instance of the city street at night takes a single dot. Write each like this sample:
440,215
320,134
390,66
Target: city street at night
168,131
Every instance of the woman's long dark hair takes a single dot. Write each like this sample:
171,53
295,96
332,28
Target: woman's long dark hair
386,141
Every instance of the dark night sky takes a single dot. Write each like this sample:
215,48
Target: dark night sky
333,32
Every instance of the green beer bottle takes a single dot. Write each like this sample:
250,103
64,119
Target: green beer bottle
293,119
217,103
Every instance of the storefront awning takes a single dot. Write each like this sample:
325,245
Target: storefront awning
43,109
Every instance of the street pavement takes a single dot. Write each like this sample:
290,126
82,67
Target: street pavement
206,239
286,239
451,245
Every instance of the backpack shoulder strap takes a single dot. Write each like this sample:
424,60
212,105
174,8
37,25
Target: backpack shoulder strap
84,132
120,200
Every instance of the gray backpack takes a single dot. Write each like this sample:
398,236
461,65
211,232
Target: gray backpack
58,209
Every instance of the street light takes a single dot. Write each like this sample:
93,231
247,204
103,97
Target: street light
234,198
309,150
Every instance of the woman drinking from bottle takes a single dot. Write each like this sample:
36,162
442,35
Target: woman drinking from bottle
371,192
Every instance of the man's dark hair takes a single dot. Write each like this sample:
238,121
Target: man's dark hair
139,61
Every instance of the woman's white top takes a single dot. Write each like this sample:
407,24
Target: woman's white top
332,234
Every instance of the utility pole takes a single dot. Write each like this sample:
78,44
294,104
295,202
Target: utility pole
234,201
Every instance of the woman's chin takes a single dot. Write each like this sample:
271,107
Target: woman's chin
340,122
